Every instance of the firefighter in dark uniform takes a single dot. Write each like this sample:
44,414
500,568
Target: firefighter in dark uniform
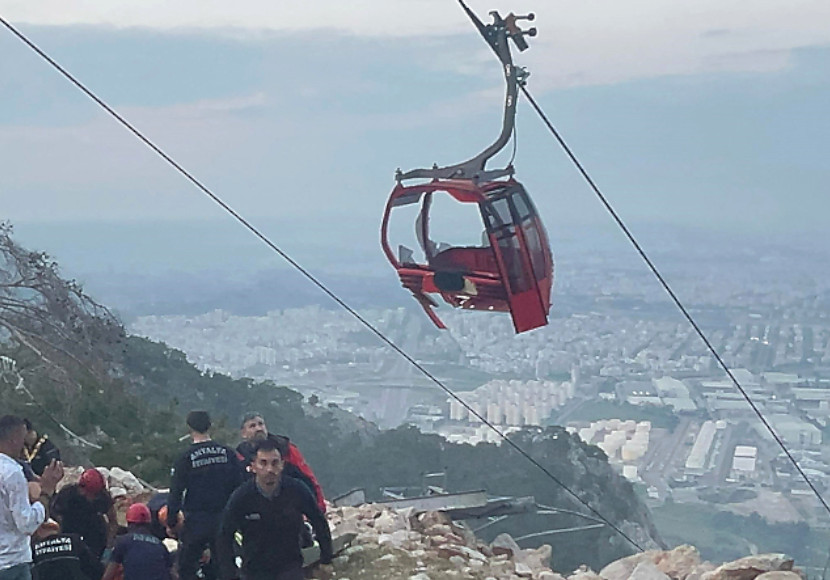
139,555
59,556
203,479
268,511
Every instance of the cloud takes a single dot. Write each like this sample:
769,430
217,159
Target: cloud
580,42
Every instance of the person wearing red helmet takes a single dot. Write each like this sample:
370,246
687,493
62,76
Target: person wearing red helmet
139,555
86,508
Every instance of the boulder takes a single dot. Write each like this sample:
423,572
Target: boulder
750,567
779,575
646,570
117,492
121,478
621,569
427,519
438,530
471,554
698,571
457,561
677,563
584,573
390,521
539,558
504,544
523,570
549,575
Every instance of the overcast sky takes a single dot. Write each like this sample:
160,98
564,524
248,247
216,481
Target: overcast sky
696,113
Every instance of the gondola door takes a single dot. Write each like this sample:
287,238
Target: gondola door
507,236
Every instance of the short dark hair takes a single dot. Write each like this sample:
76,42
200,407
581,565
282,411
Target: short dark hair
248,416
8,425
199,421
267,445
28,424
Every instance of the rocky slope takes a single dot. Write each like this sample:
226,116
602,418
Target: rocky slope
110,399
403,545
409,545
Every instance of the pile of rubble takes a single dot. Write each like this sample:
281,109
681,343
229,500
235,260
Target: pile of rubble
120,482
124,487
425,546
404,545
410,545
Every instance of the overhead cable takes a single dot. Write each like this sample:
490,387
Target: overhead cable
669,291
308,275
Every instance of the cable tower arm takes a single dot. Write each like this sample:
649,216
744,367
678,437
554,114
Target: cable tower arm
497,35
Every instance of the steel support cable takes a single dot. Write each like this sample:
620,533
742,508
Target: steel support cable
250,227
669,290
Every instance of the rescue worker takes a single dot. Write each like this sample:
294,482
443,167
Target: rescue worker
38,450
206,474
87,508
268,511
61,556
158,514
139,555
253,430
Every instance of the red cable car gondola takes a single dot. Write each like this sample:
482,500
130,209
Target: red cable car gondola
512,270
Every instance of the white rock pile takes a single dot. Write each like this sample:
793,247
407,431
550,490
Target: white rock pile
122,484
425,546
404,545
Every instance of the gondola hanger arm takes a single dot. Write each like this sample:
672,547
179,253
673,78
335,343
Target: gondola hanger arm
497,34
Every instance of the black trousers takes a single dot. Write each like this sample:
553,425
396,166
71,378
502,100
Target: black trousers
199,534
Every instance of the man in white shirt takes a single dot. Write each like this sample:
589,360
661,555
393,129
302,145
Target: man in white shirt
18,517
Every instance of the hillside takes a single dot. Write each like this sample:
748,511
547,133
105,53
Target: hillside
110,399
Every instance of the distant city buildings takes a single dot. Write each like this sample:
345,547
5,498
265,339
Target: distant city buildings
616,343
624,442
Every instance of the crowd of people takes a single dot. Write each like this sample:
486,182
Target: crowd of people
243,513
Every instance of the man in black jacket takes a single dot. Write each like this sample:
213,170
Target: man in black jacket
59,556
268,511
38,450
207,473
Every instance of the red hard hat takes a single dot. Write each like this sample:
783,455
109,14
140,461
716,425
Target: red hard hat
92,481
138,513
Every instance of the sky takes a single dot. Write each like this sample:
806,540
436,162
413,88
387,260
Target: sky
698,114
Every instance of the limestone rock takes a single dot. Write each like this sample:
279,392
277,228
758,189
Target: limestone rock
438,530
549,575
122,478
646,570
428,519
523,570
117,492
621,569
584,573
698,571
779,575
538,559
506,545
458,561
390,521
677,563
750,567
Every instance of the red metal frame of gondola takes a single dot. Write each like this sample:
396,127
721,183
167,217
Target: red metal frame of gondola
479,285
